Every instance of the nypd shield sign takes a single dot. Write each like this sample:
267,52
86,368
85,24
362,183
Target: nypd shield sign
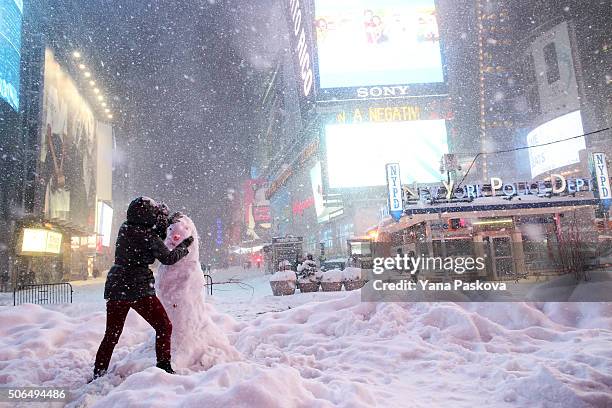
602,177
394,189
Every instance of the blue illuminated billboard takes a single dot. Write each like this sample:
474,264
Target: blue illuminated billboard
393,45
11,12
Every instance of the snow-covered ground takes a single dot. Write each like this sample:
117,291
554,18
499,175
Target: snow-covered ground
325,349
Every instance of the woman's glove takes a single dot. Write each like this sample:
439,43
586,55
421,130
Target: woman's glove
186,242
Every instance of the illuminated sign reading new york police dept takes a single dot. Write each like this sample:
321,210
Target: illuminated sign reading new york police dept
556,185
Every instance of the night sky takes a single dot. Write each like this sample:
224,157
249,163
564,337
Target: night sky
188,78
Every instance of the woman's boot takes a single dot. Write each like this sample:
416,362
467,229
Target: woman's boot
165,365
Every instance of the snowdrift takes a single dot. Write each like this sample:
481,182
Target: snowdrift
42,347
337,351
443,354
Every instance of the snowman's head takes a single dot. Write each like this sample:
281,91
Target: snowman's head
181,228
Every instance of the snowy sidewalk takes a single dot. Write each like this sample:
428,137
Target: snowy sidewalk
253,296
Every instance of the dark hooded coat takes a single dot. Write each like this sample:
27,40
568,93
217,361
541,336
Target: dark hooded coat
138,245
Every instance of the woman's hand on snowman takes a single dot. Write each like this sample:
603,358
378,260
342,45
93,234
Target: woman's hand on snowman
167,257
186,242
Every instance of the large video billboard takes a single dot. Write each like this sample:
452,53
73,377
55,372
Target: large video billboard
67,170
390,45
556,155
11,13
358,152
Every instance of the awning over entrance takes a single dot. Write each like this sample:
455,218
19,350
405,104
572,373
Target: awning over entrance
488,207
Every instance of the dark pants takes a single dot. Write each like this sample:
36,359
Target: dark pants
151,309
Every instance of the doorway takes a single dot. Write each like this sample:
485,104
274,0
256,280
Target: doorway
502,260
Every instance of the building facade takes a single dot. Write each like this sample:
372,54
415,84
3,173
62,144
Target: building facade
488,93
58,218
320,185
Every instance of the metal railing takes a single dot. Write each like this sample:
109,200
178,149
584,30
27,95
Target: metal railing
43,294
208,284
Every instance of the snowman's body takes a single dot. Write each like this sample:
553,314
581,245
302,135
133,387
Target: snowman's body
197,342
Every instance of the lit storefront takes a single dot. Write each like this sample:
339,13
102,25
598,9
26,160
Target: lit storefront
293,202
52,251
531,229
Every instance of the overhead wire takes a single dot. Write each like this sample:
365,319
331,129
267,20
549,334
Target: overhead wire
522,148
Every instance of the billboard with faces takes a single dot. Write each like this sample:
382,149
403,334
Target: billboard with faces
377,48
67,161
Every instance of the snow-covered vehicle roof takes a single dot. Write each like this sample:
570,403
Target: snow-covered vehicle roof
335,260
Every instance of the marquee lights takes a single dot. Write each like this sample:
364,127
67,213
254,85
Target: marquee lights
97,92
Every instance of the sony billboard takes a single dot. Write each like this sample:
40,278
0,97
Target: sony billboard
375,49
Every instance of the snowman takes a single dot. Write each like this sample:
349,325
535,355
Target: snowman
197,342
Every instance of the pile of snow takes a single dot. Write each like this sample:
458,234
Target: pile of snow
43,347
442,354
283,276
334,350
333,275
229,385
351,274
